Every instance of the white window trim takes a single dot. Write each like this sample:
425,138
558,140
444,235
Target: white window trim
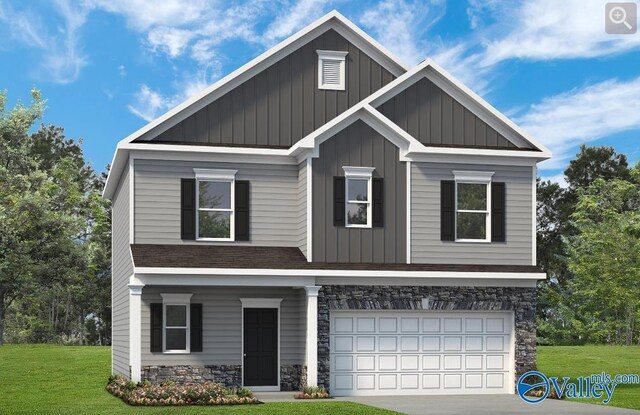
179,300
333,55
473,177
358,173
216,175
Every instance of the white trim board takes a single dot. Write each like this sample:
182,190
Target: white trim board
267,273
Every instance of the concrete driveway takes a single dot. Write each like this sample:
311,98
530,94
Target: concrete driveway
483,405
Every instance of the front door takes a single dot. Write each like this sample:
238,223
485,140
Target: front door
260,347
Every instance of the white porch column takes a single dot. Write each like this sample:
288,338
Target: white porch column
135,331
312,335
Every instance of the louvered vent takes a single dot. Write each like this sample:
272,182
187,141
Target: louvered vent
331,69
331,73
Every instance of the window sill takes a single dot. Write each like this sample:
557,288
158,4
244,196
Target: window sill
214,240
176,352
358,226
472,241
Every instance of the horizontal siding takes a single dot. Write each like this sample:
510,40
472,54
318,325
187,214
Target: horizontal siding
302,207
222,320
283,103
426,246
122,268
434,118
274,200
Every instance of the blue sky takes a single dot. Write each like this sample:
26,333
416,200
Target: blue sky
109,66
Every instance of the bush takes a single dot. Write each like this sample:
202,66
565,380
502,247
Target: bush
313,392
168,393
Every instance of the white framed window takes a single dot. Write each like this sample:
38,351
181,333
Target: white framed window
175,323
473,206
331,69
358,195
215,205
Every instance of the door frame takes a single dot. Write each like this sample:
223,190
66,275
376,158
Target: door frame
273,303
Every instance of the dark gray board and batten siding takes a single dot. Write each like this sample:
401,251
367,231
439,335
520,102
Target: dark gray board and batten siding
359,145
434,118
282,104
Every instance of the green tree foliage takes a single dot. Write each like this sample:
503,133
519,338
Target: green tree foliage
559,319
605,260
53,231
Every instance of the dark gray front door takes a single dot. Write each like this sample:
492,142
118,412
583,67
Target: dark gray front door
260,347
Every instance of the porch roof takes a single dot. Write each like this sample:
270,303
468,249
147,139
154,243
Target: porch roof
284,258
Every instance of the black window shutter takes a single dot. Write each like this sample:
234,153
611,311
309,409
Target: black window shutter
156,327
498,214
188,209
242,210
378,197
447,210
196,327
338,201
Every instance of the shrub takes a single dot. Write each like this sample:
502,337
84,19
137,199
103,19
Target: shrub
168,393
313,392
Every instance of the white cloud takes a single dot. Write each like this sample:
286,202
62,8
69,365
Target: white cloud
169,40
294,18
564,121
122,70
142,15
551,29
62,54
148,104
557,178
401,25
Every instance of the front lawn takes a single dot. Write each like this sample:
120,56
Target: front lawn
45,379
574,361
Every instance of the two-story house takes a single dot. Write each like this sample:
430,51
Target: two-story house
326,215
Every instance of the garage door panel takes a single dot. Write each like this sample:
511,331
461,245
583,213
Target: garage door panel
409,352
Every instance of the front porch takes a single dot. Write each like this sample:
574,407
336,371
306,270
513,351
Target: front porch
259,337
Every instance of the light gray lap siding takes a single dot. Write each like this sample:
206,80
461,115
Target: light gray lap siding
222,324
121,270
359,145
426,246
282,104
274,201
302,207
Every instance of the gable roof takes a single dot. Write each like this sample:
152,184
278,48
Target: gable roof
527,146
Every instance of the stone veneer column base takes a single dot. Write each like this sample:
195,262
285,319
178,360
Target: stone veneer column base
229,375
522,301
293,377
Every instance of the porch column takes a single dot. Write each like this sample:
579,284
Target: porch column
135,331
312,335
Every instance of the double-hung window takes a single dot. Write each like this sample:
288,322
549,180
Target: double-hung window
473,206
176,309
358,195
215,204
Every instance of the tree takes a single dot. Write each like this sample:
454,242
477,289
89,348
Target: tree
52,228
557,319
605,259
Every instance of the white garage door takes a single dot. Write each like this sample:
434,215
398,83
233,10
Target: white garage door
420,353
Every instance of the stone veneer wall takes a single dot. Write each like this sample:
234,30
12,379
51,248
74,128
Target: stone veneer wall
229,375
293,377
349,297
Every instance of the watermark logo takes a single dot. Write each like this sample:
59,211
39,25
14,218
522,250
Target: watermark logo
621,18
534,387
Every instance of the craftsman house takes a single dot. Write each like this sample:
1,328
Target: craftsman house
326,215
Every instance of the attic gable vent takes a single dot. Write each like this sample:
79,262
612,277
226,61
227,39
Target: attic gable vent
331,69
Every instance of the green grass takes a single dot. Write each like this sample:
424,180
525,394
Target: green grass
45,379
574,361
